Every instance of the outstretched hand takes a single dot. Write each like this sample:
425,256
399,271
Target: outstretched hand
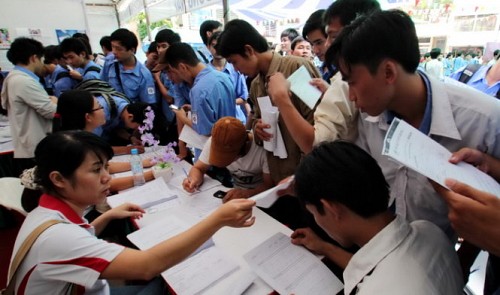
126,210
236,213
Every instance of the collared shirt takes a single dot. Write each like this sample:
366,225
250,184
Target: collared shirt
30,110
111,123
212,97
240,88
60,83
461,117
51,265
479,82
109,59
169,114
281,168
90,73
405,258
138,83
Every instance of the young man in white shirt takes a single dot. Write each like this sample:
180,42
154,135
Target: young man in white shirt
345,190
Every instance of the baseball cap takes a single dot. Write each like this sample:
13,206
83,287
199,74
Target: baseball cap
228,138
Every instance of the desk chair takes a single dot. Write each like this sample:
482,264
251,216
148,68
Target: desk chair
10,194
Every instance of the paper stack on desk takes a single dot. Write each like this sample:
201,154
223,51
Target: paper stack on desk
203,268
291,269
153,195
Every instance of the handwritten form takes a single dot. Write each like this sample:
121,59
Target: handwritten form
299,84
203,268
419,152
270,116
291,269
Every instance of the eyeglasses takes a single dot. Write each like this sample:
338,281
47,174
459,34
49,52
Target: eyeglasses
96,109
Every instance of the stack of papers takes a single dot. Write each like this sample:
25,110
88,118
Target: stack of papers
152,196
270,116
206,266
291,269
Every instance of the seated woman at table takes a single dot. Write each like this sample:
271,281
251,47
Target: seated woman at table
80,110
72,169
232,147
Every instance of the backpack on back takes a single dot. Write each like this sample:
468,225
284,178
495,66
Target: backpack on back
101,88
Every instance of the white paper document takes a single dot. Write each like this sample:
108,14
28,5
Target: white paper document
152,195
299,84
267,198
419,152
192,138
200,271
291,269
270,116
208,183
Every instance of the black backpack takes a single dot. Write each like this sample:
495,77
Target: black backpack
104,89
468,72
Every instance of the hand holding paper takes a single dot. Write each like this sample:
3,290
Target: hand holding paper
419,152
301,86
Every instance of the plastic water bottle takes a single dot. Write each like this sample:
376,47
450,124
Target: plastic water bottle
136,167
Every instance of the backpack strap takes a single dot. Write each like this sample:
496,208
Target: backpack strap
203,56
23,250
118,75
111,104
61,75
468,72
92,69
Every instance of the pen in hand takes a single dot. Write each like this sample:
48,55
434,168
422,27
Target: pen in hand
190,183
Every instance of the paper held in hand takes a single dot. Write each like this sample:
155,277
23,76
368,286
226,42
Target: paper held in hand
419,152
299,84
267,198
270,115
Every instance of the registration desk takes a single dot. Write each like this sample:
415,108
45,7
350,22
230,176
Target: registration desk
234,243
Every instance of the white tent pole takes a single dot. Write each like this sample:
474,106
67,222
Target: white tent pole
147,19
225,11
85,17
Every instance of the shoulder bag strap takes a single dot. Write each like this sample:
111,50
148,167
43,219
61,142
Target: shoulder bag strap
118,75
23,250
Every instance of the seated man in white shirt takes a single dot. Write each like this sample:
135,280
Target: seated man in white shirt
231,146
345,190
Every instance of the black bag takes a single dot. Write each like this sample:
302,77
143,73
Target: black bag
101,88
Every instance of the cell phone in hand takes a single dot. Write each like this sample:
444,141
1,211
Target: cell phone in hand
220,194
173,107
69,68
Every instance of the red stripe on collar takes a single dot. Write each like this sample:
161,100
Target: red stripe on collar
53,203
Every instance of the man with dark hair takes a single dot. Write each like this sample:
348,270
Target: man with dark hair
314,32
165,38
384,83
247,50
30,109
207,28
126,74
212,93
328,182
77,54
328,125
109,57
286,39
57,77
435,68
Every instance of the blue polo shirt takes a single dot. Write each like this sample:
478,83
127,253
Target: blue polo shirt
138,83
425,125
478,80
169,114
109,59
111,123
240,88
91,74
212,97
